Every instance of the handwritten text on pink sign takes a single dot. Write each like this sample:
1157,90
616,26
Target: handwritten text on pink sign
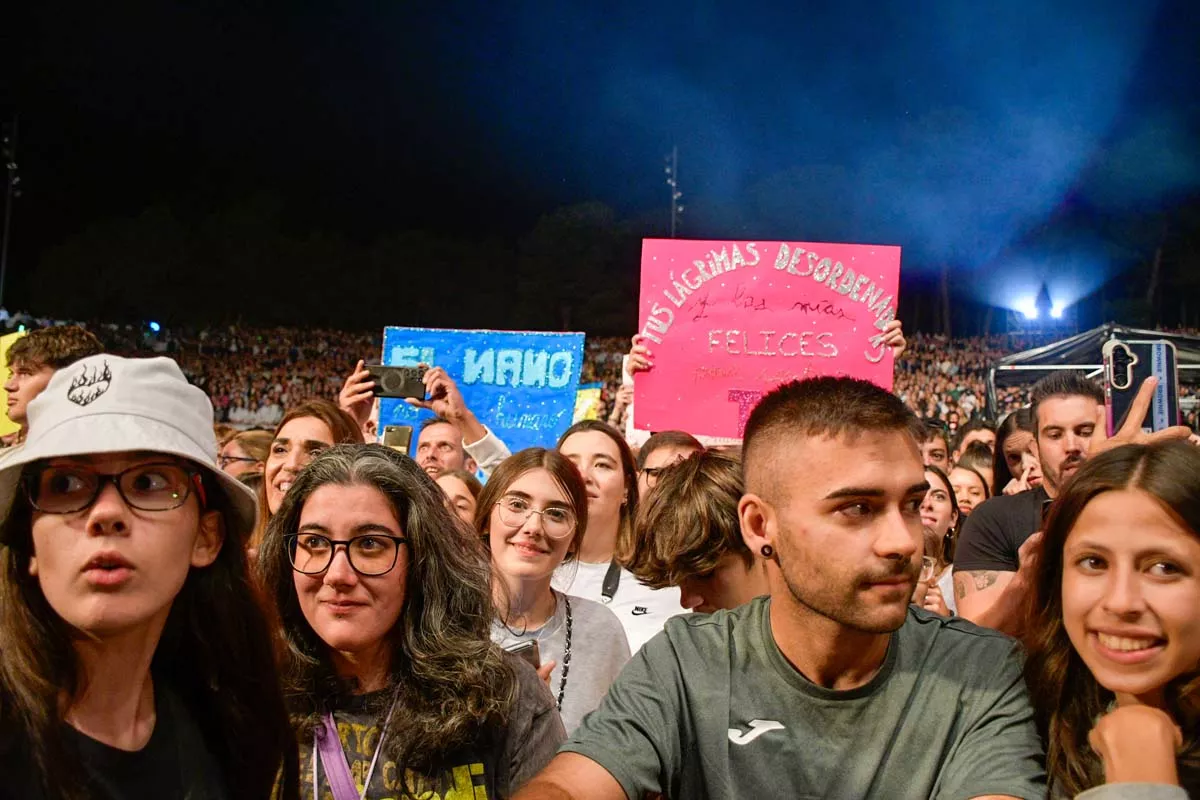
729,321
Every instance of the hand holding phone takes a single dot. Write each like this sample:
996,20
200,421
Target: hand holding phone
528,651
1128,365
1131,432
398,381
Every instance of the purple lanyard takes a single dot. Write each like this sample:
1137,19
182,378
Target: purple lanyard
333,758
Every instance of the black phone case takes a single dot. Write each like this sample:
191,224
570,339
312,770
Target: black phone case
398,381
1127,363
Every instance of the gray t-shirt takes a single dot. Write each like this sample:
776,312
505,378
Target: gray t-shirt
598,651
710,708
526,745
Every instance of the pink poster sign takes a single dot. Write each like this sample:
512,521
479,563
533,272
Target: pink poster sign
727,322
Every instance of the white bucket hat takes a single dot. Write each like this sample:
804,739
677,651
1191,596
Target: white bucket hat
109,404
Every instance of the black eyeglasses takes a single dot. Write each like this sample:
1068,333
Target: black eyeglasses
652,473
66,489
225,461
370,554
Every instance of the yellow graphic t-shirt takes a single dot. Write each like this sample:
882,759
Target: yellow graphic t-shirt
531,738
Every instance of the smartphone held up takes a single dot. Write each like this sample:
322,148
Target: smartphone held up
1127,365
399,382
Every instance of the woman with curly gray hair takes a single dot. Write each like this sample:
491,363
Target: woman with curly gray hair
389,671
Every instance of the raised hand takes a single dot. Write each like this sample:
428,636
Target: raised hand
358,394
1131,432
1018,485
893,337
443,396
639,356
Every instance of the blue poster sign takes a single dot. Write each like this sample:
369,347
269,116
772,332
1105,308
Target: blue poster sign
521,385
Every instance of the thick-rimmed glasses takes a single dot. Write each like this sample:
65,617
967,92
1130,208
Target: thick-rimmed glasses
66,489
652,474
558,523
370,554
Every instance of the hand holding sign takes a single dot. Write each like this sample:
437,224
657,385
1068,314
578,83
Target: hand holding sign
639,356
522,384
893,338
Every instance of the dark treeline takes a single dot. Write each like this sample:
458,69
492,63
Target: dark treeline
577,268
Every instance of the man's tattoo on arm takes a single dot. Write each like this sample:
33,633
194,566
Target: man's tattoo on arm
966,582
983,580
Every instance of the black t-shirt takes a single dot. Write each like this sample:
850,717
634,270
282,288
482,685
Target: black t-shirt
175,763
995,531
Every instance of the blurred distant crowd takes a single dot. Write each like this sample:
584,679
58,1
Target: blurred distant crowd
253,374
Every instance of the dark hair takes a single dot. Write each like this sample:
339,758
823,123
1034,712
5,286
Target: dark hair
815,407
969,427
950,538
216,651
977,456
624,550
1019,420
343,429
57,347
987,490
1067,698
470,481
451,686
931,429
689,521
565,476
679,439
1063,383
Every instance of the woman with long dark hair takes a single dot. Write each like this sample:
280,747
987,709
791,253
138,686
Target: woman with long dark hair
1015,465
1114,641
304,431
387,609
135,658
609,471
941,520
970,488
533,514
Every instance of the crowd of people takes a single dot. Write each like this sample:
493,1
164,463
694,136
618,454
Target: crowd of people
253,374
858,599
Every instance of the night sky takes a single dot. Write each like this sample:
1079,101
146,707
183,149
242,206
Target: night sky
953,129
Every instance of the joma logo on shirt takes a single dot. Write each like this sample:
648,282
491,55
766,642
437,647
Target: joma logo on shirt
757,728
